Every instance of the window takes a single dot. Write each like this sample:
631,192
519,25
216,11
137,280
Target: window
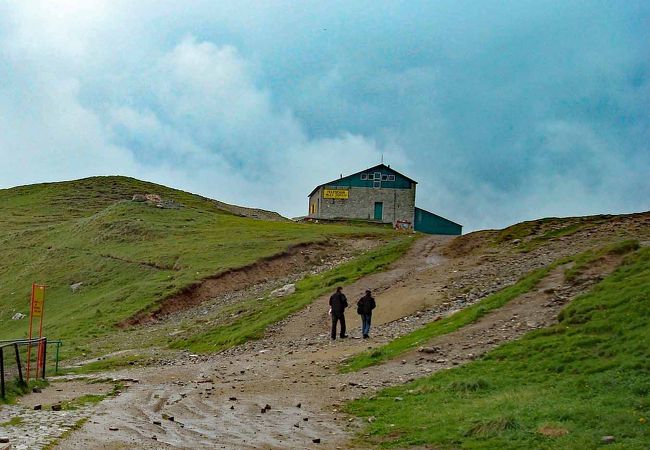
377,175
364,176
376,184
371,176
391,177
384,178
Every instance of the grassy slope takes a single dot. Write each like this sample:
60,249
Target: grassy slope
472,313
14,390
587,377
535,233
128,255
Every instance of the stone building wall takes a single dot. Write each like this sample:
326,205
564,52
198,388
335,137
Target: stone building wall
314,202
398,204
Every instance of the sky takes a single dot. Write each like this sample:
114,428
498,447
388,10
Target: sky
503,111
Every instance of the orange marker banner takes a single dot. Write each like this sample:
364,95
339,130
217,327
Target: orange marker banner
38,301
36,310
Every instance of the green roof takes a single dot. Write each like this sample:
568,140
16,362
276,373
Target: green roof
370,169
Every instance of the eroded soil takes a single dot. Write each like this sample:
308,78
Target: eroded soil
295,259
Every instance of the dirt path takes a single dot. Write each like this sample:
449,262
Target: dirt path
292,366
222,402
394,291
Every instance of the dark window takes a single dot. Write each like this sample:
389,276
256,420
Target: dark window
371,176
376,184
377,175
391,177
384,178
364,176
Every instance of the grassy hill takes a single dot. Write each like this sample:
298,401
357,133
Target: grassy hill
565,386
128,255
579,383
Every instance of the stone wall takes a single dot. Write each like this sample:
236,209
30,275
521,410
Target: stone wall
313,203
399,204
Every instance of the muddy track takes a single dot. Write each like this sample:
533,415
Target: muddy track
423,255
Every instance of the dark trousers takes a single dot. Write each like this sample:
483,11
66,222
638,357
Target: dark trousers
338,318
365,324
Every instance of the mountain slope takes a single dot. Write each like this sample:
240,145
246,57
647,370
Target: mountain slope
127,254
296,362
568,386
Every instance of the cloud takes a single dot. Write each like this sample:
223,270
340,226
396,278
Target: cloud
223,130
503,112
46,134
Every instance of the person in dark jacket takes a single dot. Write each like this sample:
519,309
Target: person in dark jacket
365,305
338,303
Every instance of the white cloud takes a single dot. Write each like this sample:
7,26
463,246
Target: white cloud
203,124
504,113
233,143
208,91
55,32
46,134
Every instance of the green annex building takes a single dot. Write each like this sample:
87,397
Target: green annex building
377,194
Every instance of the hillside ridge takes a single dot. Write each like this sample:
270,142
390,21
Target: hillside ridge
295,362
137,187
444,304
123,255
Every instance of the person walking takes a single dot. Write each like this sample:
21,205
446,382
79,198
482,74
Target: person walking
365,305
338,303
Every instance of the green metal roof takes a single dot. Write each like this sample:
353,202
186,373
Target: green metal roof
370,169
428,222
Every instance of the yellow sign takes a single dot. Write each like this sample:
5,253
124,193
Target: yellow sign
38,300
336,193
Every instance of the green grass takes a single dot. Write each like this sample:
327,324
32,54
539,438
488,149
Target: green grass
13,422
584,378
128,255
88,399
543,230
520,230
583,260
446,325
15,389
91,399
104,364
552,234
253,317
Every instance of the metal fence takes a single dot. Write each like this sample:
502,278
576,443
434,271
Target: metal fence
24,359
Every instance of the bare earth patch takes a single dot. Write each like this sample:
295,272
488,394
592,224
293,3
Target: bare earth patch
296,259
552,431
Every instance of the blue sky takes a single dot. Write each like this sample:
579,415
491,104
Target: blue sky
502,110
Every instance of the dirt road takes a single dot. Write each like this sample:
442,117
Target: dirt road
284,391
221,403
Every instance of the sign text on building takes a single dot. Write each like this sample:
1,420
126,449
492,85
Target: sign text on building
336,193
